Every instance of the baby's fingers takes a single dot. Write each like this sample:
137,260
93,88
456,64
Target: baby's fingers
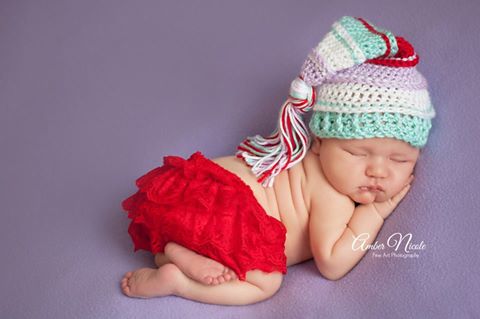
384,209
410,179
398,197
401,194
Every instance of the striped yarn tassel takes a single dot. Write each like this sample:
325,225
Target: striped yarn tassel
288,144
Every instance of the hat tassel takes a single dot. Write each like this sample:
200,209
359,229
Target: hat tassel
288,144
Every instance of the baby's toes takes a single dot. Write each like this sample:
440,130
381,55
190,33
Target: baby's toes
125,287
227,277
125,282
125,279
208,280
230,273
220,279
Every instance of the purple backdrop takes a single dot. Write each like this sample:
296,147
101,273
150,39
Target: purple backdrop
94,93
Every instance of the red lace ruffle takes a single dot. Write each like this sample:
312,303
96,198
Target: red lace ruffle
200,205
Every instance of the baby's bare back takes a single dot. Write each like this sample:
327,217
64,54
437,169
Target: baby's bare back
284,201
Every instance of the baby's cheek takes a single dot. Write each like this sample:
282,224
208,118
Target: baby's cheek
348,182
383,197
397,187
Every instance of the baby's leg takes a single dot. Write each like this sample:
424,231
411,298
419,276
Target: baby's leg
169,280
161,259
197,267
258,286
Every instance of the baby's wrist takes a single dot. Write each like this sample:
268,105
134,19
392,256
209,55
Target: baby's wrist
379,215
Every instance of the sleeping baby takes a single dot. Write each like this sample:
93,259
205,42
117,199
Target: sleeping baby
223,231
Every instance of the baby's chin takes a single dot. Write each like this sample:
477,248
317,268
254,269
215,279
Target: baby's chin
368,197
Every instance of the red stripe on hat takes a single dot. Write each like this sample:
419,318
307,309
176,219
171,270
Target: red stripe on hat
384,37
405,57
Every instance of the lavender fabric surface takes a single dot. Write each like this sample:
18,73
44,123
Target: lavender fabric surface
93,94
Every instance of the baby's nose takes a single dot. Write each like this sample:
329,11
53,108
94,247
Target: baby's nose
377,169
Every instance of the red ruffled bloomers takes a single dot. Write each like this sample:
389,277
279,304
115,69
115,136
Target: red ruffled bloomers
200,205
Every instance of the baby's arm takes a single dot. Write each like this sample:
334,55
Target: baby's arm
334,224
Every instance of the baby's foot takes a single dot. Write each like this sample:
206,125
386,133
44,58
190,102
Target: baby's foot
148,282
198,267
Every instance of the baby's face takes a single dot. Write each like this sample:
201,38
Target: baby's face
352,165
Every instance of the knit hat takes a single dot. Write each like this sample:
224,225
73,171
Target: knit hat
362,82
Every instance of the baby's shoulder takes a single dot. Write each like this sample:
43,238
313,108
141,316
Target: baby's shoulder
315,178
318,188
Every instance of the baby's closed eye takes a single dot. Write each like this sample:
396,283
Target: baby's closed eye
355,153
400,160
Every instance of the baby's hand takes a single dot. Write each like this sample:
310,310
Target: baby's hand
384,209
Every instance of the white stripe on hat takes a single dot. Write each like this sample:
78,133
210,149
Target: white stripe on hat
361,98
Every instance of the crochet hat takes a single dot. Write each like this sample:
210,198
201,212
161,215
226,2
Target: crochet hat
361,82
